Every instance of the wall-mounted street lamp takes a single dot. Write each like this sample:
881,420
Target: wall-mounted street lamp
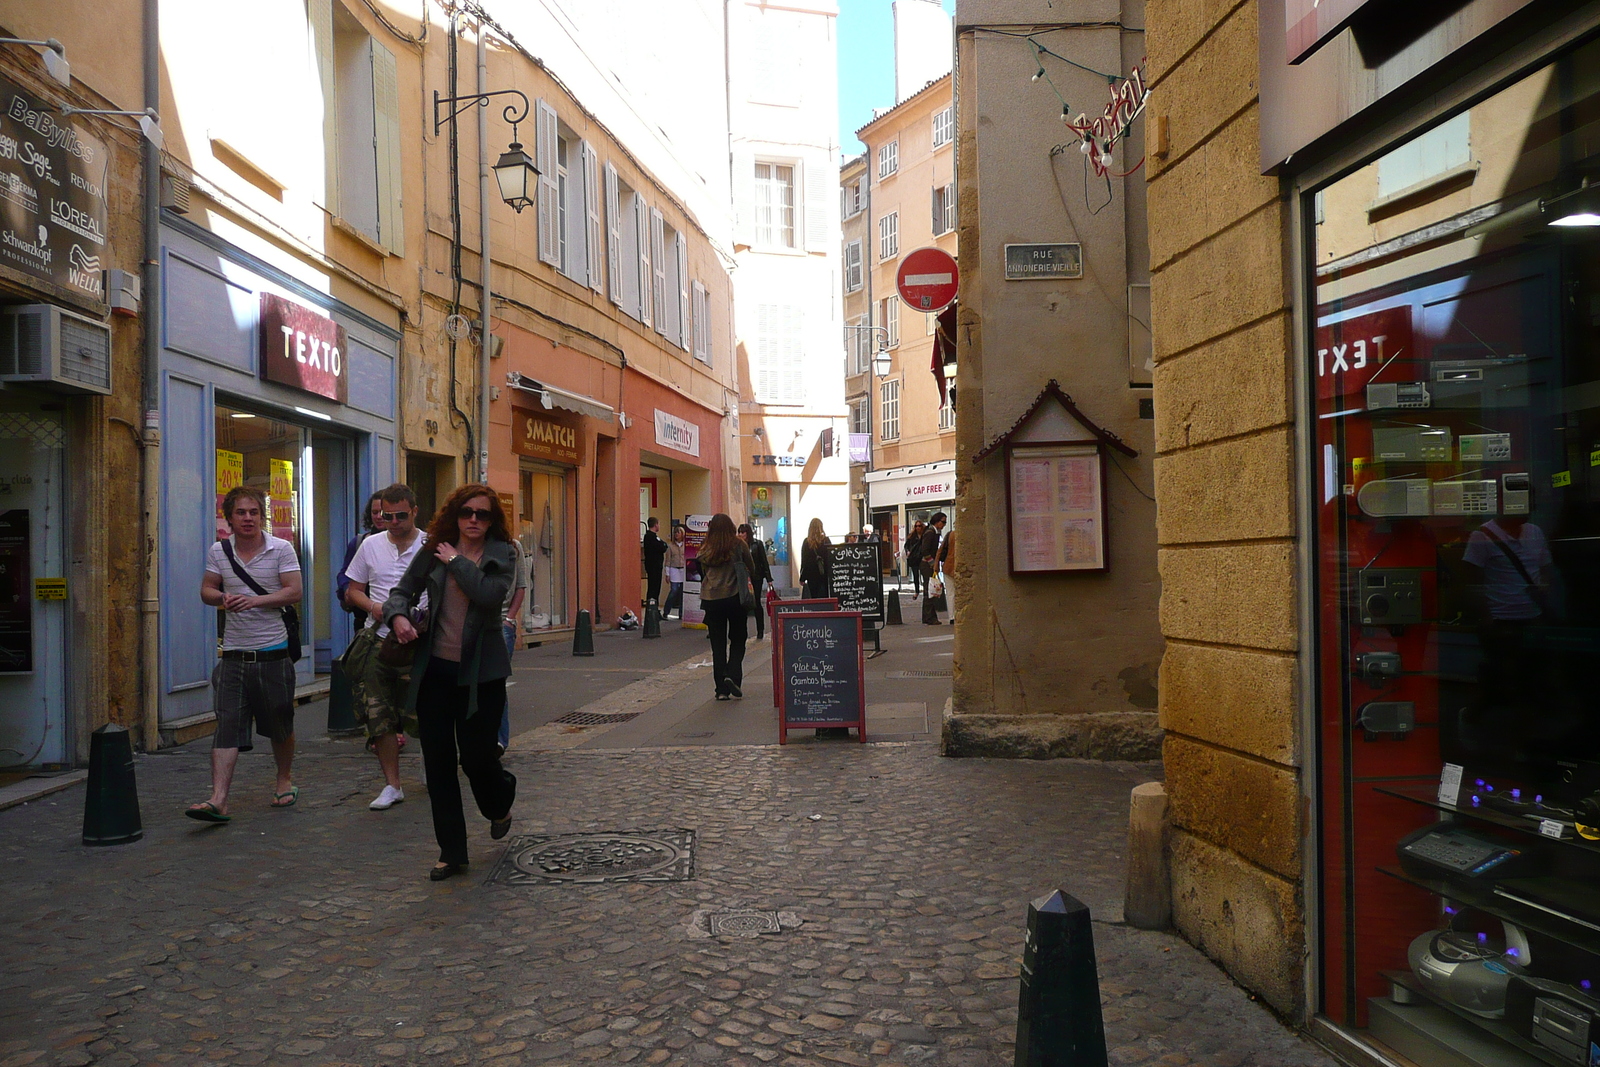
55,57
881,361
149,121
515,172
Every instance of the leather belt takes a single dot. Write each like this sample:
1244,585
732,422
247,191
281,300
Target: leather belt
250,655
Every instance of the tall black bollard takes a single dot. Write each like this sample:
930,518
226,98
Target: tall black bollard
583,635
341,704
111,803
652,620
1058,1016
894,618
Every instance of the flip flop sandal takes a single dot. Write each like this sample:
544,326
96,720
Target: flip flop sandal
293,794
207,812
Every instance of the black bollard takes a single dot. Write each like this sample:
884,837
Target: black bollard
111,803
583,635
894,618
341,705
652,620
1058,1014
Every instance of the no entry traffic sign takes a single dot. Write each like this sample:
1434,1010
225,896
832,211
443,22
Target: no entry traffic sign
927,279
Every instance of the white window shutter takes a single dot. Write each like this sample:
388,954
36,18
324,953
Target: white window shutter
641,230
682,339
658,273
744,197
544,129
319,16
591,204
386,135
818,214
613,235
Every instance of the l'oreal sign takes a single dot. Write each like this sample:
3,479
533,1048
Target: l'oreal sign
302,349
678,434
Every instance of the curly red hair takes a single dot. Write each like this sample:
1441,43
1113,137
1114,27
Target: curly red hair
444,527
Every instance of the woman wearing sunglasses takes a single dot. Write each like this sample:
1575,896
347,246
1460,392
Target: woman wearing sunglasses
458,678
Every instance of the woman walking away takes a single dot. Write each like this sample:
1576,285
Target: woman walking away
760,574
914,556
676,572
725,592
458,678
816,563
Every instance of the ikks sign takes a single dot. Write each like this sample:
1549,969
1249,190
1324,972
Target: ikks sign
52,195
678,434
302,349
1101,135
541,435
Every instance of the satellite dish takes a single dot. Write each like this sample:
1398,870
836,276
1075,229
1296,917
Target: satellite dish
458,327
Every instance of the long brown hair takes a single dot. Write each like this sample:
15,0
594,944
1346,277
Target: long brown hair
721,541
445,529
815,537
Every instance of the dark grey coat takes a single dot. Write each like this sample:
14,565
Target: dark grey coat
483,645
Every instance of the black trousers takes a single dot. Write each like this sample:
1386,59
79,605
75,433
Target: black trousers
442,719
726,628
761,608
652,578
918,584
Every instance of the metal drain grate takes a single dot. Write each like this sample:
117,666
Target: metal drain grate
911,674
594,859
589,718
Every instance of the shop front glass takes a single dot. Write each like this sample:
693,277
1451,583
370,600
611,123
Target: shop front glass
767,507
1456,361
541,530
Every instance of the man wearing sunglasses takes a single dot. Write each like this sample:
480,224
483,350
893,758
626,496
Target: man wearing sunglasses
377,690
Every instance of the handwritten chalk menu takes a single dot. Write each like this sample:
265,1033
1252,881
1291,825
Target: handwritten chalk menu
781,607
823,672
1057,508
858,580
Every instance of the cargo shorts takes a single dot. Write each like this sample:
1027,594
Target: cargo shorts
377,691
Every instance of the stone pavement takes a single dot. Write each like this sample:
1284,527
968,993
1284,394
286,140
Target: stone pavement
312,936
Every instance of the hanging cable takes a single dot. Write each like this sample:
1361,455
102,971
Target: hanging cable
419,39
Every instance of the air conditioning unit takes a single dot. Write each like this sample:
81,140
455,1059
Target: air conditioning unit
44,345
175,192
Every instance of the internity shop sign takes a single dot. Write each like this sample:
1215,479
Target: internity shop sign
544,436
678,434
52,195
302,349
1025,262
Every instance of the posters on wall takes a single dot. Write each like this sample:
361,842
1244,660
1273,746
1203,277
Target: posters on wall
230,475
694,535
281,498
1057,518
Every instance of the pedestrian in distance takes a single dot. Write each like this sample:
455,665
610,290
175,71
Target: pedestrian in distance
816,562
378,689
371,523
914,556
458,675
677,571
947,572
655,555
760,574
930,554
727,592
510,613
253,577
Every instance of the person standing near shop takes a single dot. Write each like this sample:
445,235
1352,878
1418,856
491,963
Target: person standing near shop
930,554
677,571
914,556
509,626
816,562
458,675
760,573
377,690
726,592
253,680
655,555
947,572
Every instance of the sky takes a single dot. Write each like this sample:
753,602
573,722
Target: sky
866,64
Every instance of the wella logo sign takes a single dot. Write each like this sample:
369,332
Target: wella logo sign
675,433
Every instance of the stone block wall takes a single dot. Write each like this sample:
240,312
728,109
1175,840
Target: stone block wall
1224,493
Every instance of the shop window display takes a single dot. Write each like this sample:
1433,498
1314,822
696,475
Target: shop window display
1455,356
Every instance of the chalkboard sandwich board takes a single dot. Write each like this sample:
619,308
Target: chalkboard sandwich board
780,607
823,671
857,580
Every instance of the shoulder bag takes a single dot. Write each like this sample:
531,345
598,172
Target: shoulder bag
291,615
747,592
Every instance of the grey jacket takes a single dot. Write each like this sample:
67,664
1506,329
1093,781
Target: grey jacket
486,584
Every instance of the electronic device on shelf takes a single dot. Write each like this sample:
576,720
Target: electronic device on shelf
1560,1018
1382,395
1466,381
1469,970
1515,493
1470,496
1564,898
1485,447
1389,596
1453,852
1387,717
1412,444
1377,667
1384,498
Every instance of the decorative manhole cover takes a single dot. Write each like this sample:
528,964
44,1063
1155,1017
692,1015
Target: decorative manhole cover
593,859
740,922
911,674
590,718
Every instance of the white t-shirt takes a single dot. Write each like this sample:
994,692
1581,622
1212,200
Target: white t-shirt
255,628
1506,590
379,563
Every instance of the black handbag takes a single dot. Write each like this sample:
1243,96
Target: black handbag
291,614
747,592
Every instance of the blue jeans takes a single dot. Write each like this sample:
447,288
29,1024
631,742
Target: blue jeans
509,628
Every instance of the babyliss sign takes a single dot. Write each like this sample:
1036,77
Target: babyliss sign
302,349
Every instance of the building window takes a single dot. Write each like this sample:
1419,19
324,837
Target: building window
890,309
775,205
852,266
631,233
858,344
779,363
947,409
362,120
944,209
889,410
944,127
852,198
1442,148
889,236
860,417
670,283
702,323
930,323
888,159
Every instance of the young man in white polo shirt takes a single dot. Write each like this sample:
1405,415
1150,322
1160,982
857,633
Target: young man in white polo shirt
379,691
254,678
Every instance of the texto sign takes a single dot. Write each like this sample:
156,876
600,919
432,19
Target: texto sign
302,349
927,279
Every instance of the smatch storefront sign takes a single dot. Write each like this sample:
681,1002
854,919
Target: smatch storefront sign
543,435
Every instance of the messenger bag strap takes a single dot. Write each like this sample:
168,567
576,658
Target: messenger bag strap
244,576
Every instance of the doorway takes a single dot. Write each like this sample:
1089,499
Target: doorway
542,533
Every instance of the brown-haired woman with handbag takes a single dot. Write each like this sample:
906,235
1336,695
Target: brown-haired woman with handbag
458,678
726,594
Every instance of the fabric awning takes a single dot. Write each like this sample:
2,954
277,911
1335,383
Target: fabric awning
554,397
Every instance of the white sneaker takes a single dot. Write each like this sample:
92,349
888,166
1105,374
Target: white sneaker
387,799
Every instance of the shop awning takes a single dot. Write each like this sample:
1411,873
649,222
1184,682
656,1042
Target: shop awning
552,397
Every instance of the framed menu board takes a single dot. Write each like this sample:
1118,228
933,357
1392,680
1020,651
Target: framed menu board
1056,507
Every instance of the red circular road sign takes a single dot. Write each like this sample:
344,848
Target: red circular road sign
927,279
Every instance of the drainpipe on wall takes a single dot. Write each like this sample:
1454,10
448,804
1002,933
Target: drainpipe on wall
485,294
150,455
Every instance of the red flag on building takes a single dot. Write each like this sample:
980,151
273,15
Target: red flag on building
944,348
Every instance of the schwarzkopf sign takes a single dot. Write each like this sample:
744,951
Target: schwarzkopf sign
52,196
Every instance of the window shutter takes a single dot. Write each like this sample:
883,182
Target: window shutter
386,131
658,273
613,235
641,231
702,328
682,339
818,218
544,129
744,197
591,205
319,14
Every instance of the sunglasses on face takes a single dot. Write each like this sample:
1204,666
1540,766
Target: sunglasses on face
395,516
481,514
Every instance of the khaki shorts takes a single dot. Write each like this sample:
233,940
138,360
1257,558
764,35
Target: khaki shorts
377,692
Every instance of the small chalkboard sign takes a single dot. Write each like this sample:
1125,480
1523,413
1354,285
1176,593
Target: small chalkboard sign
824,672
858,580
780,607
